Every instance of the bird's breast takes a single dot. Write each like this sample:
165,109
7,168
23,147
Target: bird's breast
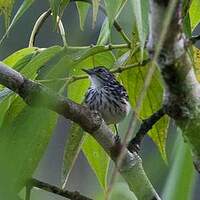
112,107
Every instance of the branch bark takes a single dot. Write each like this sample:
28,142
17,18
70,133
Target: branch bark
53,189
35,94
182,90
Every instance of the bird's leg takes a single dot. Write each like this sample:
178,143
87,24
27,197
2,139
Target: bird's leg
117,137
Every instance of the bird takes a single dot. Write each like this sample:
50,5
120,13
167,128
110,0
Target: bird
106,95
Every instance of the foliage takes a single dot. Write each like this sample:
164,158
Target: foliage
24,135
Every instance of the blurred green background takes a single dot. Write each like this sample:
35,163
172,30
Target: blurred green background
175,180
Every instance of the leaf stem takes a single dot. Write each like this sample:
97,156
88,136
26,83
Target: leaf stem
40,21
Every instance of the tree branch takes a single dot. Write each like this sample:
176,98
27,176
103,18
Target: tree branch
182,90
135,143
53,189
35,94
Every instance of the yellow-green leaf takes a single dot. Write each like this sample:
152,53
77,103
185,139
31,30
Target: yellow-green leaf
194,13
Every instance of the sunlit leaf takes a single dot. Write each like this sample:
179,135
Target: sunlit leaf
194,13
14,59
83,8
30,70
17,61
25,134
133,80
97,158
23,8
196,59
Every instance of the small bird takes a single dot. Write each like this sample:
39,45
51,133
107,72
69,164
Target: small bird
106,95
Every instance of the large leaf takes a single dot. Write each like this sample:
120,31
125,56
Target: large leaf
181,174
17,61
17,57
133,80
23,8
25,131
24,135
194,13
83,8
31,69
97,159
141,9
6,10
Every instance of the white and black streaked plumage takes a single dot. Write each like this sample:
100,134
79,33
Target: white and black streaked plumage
106,95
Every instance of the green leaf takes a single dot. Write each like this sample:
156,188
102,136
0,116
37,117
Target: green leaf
14,58
181,173
133,80
23,8
113,9
72,149
97,158
5,101
6,8
104,33
141,9
95,6
83,8
194,13
24,134
17,61
30,70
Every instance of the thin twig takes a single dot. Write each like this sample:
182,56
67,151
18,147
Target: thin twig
72,79
115,23
40,21
135,143
53,189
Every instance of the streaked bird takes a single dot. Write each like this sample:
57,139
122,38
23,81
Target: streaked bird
106,95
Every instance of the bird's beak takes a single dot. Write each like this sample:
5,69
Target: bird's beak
88,71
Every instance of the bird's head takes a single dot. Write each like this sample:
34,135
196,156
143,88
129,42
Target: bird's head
100,76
